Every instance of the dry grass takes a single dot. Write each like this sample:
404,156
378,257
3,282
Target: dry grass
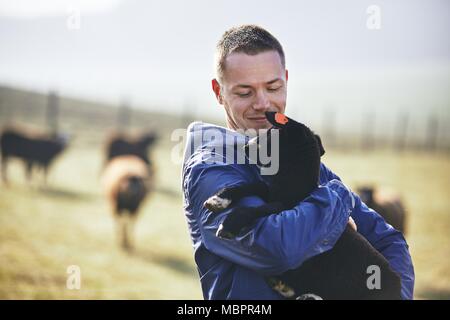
424,182
43,231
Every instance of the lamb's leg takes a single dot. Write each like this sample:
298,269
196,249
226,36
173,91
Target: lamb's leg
4,173
222,199
131,227
45,173
28,171
242,217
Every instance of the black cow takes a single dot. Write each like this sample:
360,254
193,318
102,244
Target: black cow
340,273
35,150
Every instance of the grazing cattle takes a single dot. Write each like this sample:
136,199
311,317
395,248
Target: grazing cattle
126,182
388,205
341,272
34,149
121,144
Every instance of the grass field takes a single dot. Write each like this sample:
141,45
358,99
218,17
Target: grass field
424,183
45,230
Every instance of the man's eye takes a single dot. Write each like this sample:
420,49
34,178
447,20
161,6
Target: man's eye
274,89
243,95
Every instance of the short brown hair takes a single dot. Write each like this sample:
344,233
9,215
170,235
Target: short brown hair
249,39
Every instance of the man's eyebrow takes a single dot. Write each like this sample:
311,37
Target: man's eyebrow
249,86
273,81
242,86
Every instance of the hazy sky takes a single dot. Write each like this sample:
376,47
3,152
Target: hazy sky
159,54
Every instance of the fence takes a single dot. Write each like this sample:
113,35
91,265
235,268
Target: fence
370,130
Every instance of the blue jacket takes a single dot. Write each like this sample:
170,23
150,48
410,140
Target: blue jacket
235,269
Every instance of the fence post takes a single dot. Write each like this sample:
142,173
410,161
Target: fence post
432,130
368,125
329,124
52,111
186,117
123,116
402,131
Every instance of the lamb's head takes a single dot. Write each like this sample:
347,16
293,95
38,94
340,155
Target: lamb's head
299,151
294,140
57,143
148,139
64,139
366,194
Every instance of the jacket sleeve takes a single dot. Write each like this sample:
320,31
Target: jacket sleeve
383,237
277,242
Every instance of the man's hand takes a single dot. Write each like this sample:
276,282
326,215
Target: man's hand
352,224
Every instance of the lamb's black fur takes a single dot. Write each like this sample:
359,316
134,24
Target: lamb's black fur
340,273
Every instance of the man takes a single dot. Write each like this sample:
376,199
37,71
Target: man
252,79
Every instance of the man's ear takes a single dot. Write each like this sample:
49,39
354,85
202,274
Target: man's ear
216,88
319,141
287,75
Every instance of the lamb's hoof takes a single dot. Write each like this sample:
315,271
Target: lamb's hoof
282,288
221,233
308,296
216,203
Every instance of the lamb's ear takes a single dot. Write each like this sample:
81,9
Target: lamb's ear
319,141
278,119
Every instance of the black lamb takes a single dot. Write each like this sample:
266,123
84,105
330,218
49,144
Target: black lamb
341,272
36,150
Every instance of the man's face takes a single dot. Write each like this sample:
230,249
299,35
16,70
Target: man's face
252,85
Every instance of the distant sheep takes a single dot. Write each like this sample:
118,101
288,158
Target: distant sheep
126,182
388,205
34,149
120,144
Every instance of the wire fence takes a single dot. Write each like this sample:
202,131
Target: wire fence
368,131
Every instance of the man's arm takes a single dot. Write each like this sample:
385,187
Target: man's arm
383,237
278,242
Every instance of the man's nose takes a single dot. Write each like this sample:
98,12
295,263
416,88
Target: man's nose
262,102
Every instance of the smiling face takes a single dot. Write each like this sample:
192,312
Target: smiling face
252,85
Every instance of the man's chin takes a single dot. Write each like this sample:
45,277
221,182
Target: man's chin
257,125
